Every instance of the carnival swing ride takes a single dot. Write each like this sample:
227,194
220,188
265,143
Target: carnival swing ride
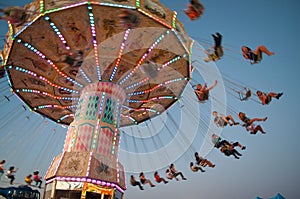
95,66
99,67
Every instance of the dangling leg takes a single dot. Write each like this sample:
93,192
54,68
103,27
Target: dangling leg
264,50
275,95
259,128
258,119
236,152
229,117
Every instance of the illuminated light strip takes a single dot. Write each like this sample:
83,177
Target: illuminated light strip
174,19
94,36
85,76
11,30
118,113
156,87
131,118
57,32
146,109
101,104
44,79
180,40
90,180
65,7
120,54
51,106
171,62
114,142
152,99
155,18
46,94
26,26
114,5
89,164
138,3
137,84
33,49
190,56
96,134
64,117
117,166
144,56
42,7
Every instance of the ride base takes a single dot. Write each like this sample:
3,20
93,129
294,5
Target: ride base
88,167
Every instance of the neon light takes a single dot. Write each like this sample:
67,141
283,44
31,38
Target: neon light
120,55
190,56
144,56
42,7
131,118
33,49
52,106
47,94
180,40
138,3
171,62
115,5
65,7
137,84
85,76
64,117
94,36
101,104
57,32
155,18
156,87
152,99
44,79
174,19
20,31
89,164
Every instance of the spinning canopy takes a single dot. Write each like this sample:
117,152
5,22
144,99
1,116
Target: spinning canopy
64,46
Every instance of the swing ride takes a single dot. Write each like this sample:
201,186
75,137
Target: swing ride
88,70
114,64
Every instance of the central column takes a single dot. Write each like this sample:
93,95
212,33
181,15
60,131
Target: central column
97,118
89,161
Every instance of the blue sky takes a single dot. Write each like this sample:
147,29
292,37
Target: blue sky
271,162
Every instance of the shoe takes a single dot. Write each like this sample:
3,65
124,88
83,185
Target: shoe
265,118
184,179
213,166
39,187
153,185
279,95
243,147
166,182
141,188
236,123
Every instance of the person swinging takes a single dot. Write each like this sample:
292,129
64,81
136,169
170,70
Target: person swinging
202,92
218,49
195,10
256,55
245,95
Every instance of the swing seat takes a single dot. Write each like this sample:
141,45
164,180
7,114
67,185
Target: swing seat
248,94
